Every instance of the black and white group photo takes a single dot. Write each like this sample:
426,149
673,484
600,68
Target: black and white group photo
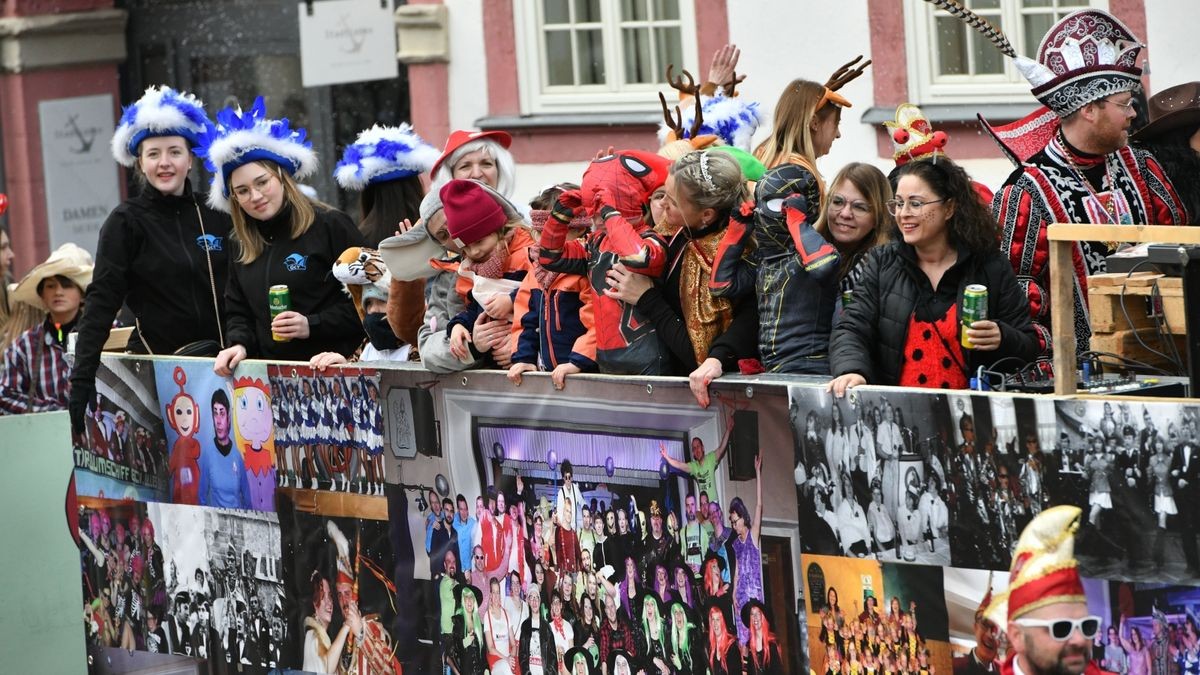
870,476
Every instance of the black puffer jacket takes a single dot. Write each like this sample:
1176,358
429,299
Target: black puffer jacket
870,338
305,266
151,256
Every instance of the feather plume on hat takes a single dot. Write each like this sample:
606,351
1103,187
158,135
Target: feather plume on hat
381,154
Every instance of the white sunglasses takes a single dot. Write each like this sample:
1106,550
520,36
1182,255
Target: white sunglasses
1061,629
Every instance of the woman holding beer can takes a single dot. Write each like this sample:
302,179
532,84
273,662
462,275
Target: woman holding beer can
940,301
281,301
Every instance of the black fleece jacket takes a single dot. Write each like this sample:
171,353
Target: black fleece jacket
151,256
870,338
305,266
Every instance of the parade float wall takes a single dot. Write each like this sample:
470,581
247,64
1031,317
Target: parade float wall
39,563
236,586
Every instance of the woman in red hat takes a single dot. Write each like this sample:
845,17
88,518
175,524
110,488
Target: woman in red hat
477,155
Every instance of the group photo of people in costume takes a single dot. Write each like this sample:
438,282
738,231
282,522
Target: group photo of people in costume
169,579
549,569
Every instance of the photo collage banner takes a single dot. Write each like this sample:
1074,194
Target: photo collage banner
377,520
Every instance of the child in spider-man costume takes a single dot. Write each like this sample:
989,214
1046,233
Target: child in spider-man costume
614,192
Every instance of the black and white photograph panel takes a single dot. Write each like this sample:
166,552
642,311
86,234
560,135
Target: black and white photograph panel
1135,472
870,475
223,581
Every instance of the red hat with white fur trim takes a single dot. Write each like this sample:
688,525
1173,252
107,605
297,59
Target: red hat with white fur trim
461,137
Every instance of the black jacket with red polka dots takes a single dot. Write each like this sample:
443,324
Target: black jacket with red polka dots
870,338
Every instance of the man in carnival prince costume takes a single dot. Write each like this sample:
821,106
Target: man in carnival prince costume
1074,160
1045,606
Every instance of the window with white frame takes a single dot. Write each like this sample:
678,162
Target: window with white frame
600,55
950,62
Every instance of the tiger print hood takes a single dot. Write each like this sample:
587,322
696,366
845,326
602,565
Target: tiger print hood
363,274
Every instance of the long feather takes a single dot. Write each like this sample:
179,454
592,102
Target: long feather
980,24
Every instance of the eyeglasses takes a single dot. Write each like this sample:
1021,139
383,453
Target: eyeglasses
1061,629
897,205
1128,106
838,202
242,192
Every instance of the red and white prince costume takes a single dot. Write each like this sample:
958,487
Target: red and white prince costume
1086,57
1044,572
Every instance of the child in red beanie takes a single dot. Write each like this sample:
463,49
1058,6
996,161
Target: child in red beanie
495,246
614,194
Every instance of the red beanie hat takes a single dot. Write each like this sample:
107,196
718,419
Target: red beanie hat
471,213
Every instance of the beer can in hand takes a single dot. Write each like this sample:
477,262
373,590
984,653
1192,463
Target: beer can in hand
280,301
974,308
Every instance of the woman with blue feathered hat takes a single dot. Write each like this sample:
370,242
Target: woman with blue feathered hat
162,252
281,237
384,164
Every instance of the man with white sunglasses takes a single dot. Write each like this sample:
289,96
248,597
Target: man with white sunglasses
1045,608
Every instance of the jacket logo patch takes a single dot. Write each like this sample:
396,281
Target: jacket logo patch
296,262
208,242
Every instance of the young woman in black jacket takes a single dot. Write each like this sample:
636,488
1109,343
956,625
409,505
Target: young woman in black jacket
281,237
162,252
903,324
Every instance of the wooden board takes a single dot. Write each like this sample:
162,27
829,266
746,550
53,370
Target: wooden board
117,339
1105,305
1125,343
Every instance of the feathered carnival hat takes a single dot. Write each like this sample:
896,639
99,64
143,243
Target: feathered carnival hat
1044,570
1085,57
240,138
702,119
381,154
161,111
913,137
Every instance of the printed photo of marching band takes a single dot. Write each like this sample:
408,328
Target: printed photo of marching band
329,429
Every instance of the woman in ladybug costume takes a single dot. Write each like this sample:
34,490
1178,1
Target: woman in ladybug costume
904,327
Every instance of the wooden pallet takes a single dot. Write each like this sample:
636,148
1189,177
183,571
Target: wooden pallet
1125,344
1107,292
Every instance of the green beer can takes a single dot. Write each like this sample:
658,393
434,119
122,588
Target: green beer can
280,301
974,308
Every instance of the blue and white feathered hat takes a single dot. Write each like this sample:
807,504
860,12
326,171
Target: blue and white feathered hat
240,138
731,118
384,153
161,111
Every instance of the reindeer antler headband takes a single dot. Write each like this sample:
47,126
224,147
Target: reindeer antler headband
840,78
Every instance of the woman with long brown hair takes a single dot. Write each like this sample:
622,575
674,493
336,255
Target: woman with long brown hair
855,219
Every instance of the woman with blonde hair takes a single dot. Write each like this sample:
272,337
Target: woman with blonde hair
805,125
281,237
163,252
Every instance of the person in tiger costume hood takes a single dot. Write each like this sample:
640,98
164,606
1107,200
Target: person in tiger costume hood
366,280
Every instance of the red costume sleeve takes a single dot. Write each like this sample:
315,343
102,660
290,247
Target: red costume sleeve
732,276
638,246
1028,249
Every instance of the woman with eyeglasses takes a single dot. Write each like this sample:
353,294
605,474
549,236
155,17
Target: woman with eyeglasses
903,328
281,237
855,219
